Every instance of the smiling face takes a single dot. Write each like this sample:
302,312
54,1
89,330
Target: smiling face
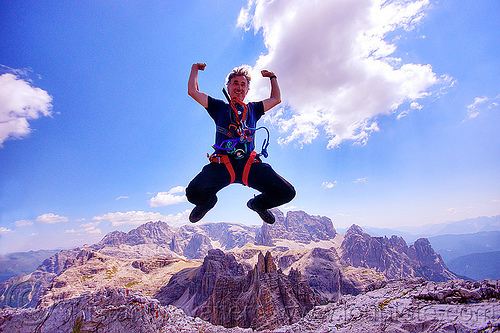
238,87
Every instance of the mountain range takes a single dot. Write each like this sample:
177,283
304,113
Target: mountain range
478,266
466,226
17,263
461,244
227,274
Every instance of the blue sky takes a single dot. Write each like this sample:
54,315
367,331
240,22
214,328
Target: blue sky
389,115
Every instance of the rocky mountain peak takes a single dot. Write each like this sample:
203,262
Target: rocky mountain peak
393,257
265,264
151,232
296,226
155,251
354,229
430,264
158,233
191,287
264,298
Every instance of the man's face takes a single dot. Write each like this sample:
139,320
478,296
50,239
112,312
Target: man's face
238,87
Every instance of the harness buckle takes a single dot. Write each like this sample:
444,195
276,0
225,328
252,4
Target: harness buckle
239,154
215,158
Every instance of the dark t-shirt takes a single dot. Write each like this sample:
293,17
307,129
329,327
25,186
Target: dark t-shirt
220,112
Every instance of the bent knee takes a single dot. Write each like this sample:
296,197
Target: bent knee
192,193
290,194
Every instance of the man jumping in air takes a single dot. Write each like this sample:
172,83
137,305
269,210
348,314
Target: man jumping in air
234,159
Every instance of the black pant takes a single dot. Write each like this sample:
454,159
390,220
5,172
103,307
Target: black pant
275,190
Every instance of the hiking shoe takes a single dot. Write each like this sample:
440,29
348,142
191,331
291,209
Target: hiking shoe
200,210
264,214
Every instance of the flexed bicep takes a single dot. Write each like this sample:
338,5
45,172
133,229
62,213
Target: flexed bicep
193,88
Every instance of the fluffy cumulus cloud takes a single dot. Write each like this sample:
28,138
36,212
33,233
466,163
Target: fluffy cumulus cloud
168,198
135,218
51,218
90,228
334,64
23,223
19,103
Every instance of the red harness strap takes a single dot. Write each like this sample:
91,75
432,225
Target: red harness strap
234,101
248,165
246,170
224,159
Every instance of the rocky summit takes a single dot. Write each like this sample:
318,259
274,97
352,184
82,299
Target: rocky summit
392,256
297,275
221,293
397,306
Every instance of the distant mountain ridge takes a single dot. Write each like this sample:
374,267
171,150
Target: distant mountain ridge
466,226
13,264
451,241
188,241
478,266
454,246
393,257
332,264
230,274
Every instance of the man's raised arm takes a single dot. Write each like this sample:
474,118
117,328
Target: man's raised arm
193,89
275,97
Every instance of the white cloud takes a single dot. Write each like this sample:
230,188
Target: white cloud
168,198
51,219
90,224
20,102
122,197
334,65
22,223
135,218
91,231
482,104
360,180
178,219
86,228
4,230
329,184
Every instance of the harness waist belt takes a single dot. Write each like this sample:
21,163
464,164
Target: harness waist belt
221,158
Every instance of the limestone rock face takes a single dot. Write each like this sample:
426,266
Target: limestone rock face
107,311
428,263
328,275
296,226
27,290
392,257
222,293
188,241
145,258
191,287
460,291
263,299
407,305
148,240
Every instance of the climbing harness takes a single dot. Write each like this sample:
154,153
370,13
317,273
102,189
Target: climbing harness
238,133
224,159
